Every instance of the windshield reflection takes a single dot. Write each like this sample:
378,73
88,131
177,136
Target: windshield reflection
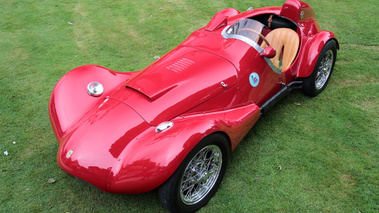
249,31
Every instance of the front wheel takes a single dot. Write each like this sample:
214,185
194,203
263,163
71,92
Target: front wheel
316,82
198,177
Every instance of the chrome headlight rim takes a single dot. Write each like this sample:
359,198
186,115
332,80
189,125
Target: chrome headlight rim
95,89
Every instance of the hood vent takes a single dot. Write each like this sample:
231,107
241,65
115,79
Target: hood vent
180,65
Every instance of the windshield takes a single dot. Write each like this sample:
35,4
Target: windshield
249,31
253,33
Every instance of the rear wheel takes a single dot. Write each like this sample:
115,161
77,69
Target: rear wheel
198,177
317,81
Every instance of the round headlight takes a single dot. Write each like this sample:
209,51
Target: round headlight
95,89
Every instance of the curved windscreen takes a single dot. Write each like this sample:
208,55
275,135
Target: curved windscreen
253,33
249,31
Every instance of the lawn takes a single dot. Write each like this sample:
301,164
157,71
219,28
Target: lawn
306,155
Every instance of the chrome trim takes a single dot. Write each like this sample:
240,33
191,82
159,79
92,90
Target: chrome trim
164,126
242,38
200,175
253,44
324,70
272,66
95,89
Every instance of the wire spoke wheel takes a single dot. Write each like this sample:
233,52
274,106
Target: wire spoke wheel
198,177
324,69
317,81
201,174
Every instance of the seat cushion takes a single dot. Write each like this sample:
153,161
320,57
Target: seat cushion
286,43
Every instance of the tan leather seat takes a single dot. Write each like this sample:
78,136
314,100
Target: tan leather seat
286,43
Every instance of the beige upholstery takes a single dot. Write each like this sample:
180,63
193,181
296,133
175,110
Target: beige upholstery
286,43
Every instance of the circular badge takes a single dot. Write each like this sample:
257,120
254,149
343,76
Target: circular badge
254,79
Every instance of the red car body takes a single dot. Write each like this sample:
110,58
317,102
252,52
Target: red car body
205,85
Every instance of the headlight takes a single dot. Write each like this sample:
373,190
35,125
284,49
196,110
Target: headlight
164,126
95,89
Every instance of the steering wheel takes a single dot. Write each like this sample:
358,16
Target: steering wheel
259,34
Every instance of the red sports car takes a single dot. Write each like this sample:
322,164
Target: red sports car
174,124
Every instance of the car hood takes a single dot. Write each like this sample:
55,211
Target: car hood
94,145
181,80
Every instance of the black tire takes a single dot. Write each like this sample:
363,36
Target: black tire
317,81
193,175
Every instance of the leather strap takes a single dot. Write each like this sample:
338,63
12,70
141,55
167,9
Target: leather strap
269,21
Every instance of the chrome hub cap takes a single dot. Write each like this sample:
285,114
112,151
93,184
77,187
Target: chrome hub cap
324,69
201,174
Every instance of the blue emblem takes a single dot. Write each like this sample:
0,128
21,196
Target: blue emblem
254,79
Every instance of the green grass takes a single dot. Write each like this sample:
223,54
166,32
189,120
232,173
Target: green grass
319,156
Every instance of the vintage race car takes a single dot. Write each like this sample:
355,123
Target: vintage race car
174,124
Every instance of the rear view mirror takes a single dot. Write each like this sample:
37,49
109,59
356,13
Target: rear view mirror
269,52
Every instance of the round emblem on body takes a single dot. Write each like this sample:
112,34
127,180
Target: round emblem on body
254,79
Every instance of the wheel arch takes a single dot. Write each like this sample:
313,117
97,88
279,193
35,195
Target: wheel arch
173,146
174,198
227,138
311,51
70,101
187,132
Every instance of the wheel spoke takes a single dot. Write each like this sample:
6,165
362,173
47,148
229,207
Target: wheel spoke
324,70
201,174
